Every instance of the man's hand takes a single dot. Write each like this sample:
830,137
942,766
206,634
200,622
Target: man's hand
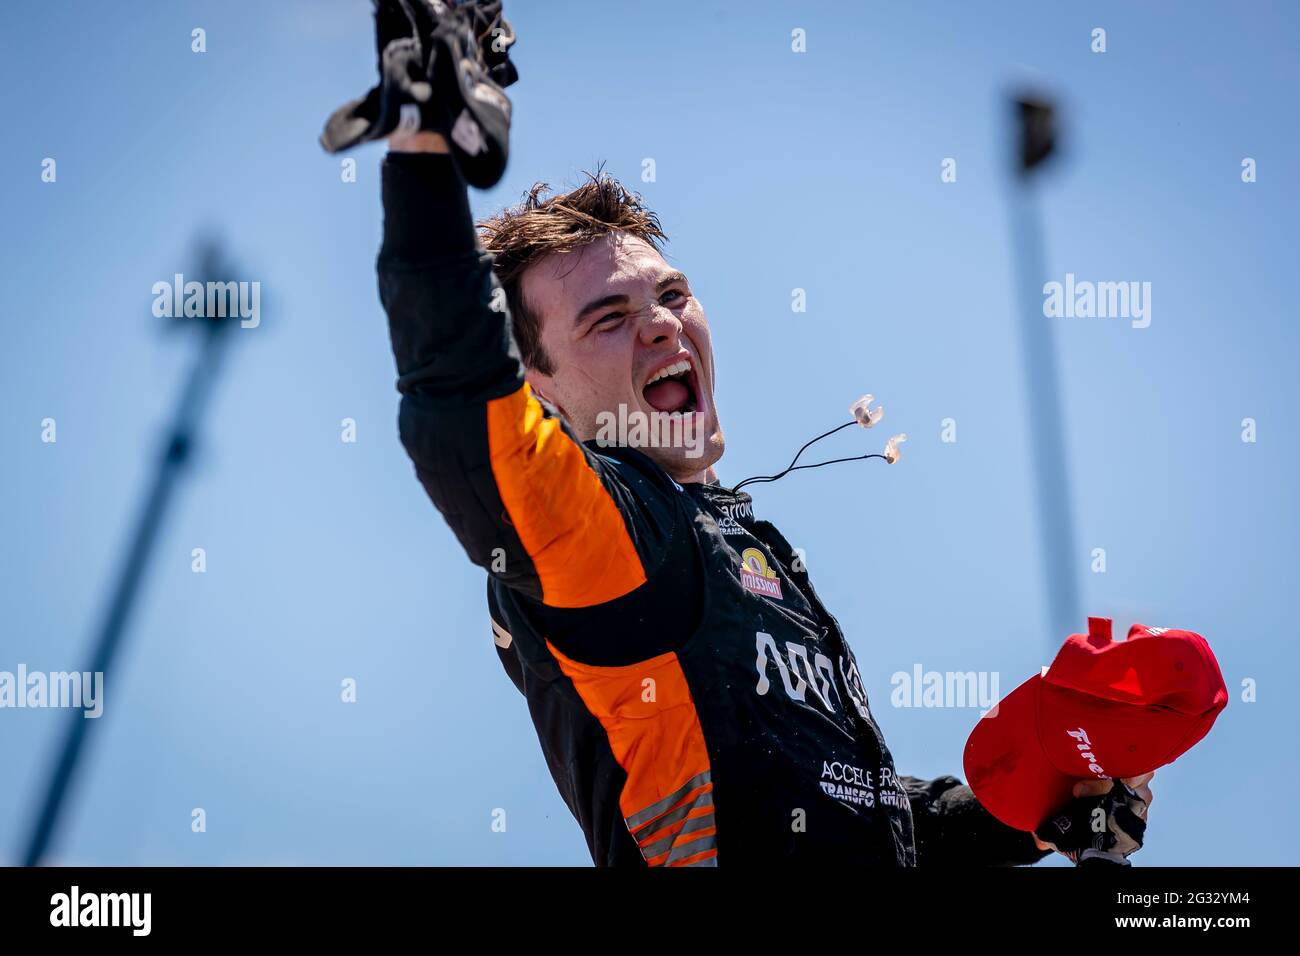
403,95
421,142
442,70
1103,822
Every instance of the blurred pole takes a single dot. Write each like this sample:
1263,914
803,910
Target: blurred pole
1036,121
175,454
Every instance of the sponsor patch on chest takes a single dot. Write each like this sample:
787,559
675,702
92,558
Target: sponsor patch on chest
730,526
757,576
731,515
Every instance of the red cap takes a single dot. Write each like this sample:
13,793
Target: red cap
1103,709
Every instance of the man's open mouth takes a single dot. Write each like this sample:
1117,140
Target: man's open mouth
673,388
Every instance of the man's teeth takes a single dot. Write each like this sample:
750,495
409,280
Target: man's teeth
677,368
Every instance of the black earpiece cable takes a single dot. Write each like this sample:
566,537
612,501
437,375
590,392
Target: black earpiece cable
794,466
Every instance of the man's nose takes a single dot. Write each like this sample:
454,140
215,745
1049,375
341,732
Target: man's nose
660,324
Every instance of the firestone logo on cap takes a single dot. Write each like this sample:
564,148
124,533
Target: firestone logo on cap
1086,751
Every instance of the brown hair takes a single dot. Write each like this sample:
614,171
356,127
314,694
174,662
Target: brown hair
537,227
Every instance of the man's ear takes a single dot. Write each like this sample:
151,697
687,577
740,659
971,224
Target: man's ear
541,385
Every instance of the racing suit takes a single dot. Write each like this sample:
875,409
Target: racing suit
695,702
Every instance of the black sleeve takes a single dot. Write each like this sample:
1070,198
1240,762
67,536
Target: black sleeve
952,828
452,346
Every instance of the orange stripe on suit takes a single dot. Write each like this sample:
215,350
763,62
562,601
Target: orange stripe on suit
655,734
565,519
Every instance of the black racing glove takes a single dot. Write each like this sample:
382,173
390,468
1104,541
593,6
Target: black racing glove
469,68
1102,830
442,68
494,36
403,95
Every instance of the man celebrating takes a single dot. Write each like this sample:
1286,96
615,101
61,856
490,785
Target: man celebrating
695,702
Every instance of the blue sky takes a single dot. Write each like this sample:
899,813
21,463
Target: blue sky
775,170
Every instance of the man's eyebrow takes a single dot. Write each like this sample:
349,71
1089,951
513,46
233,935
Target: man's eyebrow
601,303
605,302
671,279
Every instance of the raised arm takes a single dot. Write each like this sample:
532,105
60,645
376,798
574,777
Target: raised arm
526,500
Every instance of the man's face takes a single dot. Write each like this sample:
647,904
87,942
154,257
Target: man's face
614,318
